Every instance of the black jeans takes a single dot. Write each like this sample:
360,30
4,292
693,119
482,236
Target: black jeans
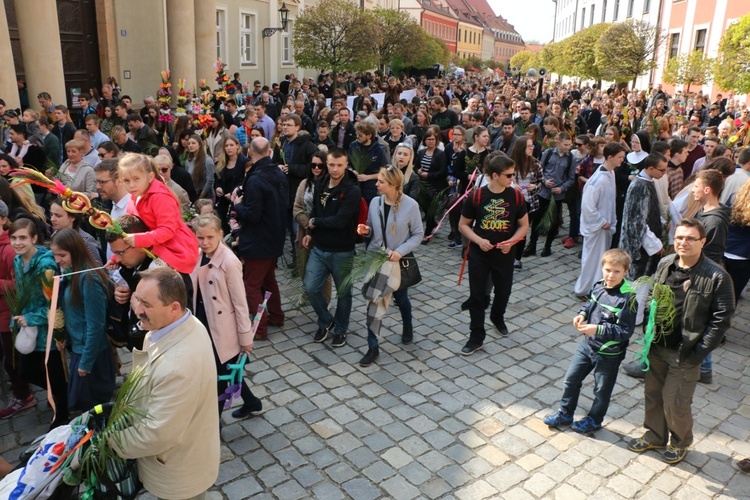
31,369
484,266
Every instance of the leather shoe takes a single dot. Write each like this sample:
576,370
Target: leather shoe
248,410
407,336
706,378
370,357
546,252
634,370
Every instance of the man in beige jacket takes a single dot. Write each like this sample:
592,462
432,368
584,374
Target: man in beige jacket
177,447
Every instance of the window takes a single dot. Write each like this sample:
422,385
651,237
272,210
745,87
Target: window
583,18
221,34
592,14
247,38
630,8
674,44
646,6
604,10
286,44
617,10
700,40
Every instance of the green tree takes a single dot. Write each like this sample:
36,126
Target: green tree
579,53
627,50
732,71
396,33
426,52
550,58
330,36
689,69
524,60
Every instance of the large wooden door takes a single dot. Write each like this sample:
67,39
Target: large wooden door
79,43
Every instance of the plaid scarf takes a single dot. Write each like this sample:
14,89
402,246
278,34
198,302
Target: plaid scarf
377,292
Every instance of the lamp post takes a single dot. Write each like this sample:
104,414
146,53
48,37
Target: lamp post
284,15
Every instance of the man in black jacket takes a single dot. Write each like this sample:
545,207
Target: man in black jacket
261,211
331,238
704,304
343,134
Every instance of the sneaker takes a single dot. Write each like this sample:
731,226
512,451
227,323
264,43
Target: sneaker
322,333
546,252
639,445
470,348
454,244
634,370
248,410
517,265
557,420
17,405
569,242
339,340
500,327
370,357
586,426
674,455
706,378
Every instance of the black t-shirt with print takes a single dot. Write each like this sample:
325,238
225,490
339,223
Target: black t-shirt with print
495,215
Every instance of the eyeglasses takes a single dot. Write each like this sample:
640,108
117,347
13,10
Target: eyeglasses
580,144
164,170
101,183
661,170
121,252
689,239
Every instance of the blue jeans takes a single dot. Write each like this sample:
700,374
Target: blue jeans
605,375
707,366
404,305
338,265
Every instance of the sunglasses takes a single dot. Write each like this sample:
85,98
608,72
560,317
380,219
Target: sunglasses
316,165
579,144
509,176
164,170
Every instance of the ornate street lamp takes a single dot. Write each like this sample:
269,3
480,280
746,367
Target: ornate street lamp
284,15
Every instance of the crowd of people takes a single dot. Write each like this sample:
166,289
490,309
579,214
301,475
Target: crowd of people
207,205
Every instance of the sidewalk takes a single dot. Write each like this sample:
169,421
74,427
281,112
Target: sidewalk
425,422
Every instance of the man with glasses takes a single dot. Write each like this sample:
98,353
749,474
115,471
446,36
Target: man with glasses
704,304
112,189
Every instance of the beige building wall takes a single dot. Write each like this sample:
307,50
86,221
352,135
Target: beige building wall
142,49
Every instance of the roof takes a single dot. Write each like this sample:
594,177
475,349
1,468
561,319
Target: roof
485,13
436,7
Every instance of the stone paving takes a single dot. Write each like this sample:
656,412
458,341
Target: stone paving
424,422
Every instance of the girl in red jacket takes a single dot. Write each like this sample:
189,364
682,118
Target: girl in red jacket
168,236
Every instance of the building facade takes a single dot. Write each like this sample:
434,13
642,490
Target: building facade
435,18
62,46
691,25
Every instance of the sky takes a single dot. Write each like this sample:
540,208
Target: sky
533,19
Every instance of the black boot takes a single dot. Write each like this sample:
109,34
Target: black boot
370,357
407,336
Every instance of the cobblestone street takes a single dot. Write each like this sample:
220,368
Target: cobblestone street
425,422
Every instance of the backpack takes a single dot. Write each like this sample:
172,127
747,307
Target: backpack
476,197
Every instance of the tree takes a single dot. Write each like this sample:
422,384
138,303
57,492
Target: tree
426,52
627,50
396,33
524,60
689,69
330,36
732,71
579,53
550,58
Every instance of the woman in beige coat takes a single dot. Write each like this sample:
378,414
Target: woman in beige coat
220,303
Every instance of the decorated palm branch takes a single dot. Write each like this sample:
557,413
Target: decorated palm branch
549,218
73,202
661,316
295,287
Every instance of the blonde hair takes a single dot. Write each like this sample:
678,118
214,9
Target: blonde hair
397,121
741,206
73,143
395,178
133,161
203,202
223,159
616,257
207,220
409,167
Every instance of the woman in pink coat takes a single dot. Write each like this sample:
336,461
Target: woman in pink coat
220,303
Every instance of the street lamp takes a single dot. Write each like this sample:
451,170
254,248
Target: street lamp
284,14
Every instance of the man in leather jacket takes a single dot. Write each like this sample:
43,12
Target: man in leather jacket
704,303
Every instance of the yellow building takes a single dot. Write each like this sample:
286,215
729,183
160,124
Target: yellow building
469,42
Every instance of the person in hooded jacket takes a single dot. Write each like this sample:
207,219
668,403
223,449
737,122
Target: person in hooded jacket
261,212
374,157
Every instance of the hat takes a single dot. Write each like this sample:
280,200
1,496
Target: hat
3,209
10,112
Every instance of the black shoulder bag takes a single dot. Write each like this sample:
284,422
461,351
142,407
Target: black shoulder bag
410,274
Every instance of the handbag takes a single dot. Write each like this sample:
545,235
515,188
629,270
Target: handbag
408,265
26,339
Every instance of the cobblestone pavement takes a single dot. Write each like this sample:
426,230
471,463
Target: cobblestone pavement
424,422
